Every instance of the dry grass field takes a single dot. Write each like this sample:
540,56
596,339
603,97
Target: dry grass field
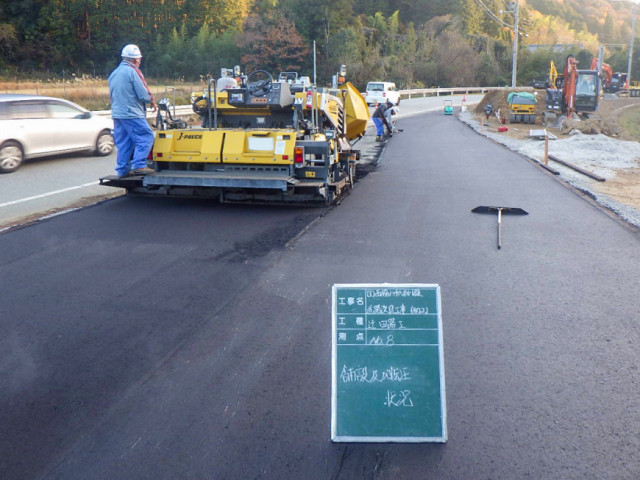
93,93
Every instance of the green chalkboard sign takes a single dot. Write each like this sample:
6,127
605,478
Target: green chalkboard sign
387,364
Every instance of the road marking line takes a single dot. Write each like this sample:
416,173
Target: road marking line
55,192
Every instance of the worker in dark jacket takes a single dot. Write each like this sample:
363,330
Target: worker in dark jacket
380,120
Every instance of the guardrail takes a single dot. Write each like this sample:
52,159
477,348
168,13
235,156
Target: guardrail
419,92
439,91
180,110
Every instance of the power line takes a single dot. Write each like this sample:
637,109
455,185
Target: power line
492,15
496,18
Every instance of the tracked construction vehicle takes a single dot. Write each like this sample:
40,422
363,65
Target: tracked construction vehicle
259,140
574,92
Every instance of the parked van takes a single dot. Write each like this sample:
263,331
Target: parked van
381,92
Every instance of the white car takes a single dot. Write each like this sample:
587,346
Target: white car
380,92
34,126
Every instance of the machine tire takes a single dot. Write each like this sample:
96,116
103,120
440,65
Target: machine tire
11,156
104,143
512,118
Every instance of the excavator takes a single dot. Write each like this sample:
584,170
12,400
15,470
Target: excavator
575,92
619,84
259,140
612,82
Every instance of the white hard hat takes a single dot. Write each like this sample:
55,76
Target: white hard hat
131,51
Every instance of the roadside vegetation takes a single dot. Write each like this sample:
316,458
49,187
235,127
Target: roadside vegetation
630,122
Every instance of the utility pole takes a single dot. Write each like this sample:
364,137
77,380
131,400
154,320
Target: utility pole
514,70
633,28
600,58
314,63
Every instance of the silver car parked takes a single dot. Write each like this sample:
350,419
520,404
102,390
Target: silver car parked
35,126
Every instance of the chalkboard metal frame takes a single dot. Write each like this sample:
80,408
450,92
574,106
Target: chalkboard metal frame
337,431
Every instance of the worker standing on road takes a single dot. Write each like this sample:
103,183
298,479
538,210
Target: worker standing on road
380,120
129,95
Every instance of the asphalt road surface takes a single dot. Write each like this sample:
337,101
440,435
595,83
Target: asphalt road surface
50,185
163,338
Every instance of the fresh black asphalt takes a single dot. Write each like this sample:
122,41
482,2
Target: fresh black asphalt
165,339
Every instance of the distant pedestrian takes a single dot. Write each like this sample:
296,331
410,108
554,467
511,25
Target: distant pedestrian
380,121
129,96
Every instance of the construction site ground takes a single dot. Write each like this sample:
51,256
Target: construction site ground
605,144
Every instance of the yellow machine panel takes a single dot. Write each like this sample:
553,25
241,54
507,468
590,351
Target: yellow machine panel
264,147
520,108
188,146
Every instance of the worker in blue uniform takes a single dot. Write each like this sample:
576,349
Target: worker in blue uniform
129,96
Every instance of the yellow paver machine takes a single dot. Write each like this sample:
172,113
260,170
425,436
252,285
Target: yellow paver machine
259,141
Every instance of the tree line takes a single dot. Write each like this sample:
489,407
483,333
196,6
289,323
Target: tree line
417,43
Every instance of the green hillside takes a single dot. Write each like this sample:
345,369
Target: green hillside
414,43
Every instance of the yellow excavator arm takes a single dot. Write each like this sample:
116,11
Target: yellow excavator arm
553,75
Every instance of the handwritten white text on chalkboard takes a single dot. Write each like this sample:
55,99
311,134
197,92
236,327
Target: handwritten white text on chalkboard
386,324
364,375
386,309
399,399
378,340
393,292
396,310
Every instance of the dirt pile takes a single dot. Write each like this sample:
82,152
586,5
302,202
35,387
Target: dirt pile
593,126
498,99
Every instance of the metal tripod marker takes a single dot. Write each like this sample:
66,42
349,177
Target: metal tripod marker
500,210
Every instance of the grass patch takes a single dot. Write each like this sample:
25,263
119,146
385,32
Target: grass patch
630,122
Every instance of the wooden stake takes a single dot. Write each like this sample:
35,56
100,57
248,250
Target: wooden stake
546,147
